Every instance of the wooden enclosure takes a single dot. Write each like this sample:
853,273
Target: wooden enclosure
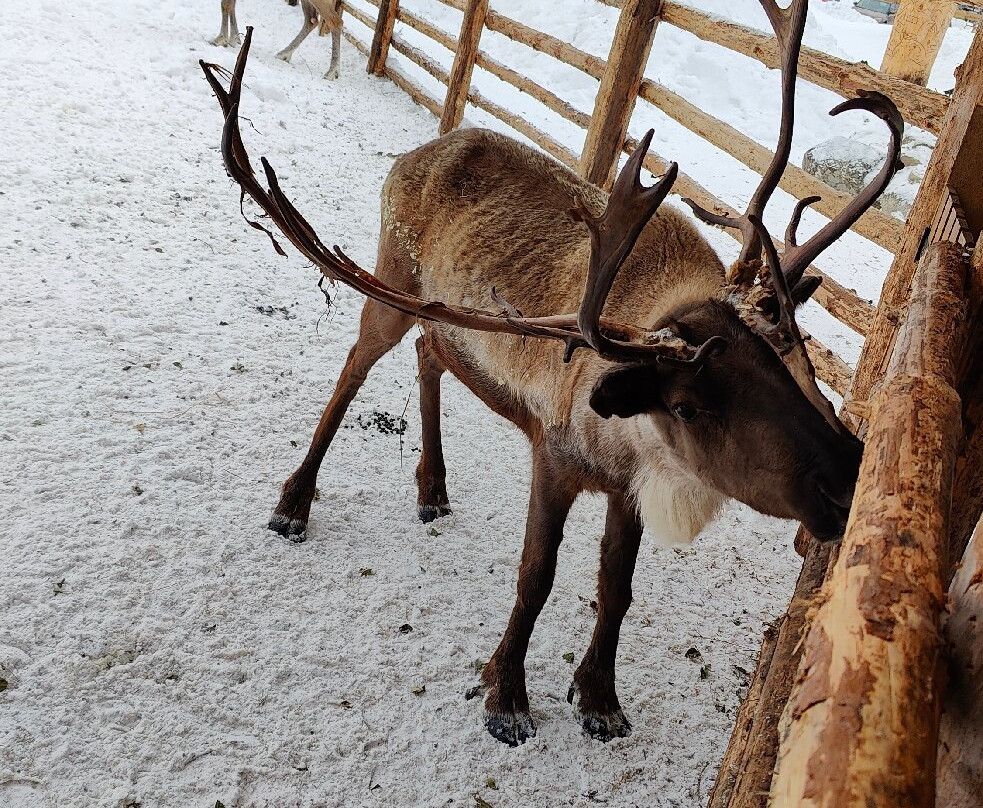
844,706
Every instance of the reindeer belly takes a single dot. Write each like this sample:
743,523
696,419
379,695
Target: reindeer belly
497,395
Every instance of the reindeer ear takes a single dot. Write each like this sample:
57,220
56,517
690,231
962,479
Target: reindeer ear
626,391
804,288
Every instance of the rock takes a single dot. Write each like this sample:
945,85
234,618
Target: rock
842,163
849,164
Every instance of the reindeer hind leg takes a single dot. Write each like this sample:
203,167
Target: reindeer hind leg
381,328
309,24
431,474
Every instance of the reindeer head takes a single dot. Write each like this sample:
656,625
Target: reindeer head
749,418
726,382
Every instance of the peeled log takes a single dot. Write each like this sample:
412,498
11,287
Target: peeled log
861,726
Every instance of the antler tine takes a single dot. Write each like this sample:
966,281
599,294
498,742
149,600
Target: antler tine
788,25
613,234
709,217
793,224
794,355
796,259
624,343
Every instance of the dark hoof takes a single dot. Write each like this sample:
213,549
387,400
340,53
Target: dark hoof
293,529
430,512
510,728
474,692
597,725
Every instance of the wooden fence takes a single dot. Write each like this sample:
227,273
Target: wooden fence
620,83
918,499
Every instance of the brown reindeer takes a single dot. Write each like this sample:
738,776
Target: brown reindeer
710,395
322,14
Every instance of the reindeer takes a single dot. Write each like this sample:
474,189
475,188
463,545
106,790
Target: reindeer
708,395
322,14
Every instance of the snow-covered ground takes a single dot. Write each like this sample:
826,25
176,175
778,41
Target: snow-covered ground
162,371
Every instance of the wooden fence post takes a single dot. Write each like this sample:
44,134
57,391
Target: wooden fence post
383,35
861,726
467,50
961,129
618,91
916,37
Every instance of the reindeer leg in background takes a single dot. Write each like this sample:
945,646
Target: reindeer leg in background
228,10
431,473
335,70
309,24
597,707
504,677
234,39
381,328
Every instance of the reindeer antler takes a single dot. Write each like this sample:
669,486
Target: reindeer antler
613,234
784,274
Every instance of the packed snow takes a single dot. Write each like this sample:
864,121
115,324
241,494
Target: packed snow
162,373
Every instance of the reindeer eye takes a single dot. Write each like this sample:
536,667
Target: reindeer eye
685,412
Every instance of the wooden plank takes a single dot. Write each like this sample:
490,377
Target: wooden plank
916,37
967,494
861,726
616,96
961,129
526,85
537,136
877,226
467,47
922,107
420,59
385,22
829,366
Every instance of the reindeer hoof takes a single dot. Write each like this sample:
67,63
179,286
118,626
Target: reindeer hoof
428,513
332,74
293,529
221,40
510,728
600,726
284,56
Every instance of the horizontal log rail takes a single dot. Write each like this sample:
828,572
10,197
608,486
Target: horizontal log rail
536,135
396,76
919,106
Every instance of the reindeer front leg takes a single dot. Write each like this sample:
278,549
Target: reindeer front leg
597,706
504,677
228,36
